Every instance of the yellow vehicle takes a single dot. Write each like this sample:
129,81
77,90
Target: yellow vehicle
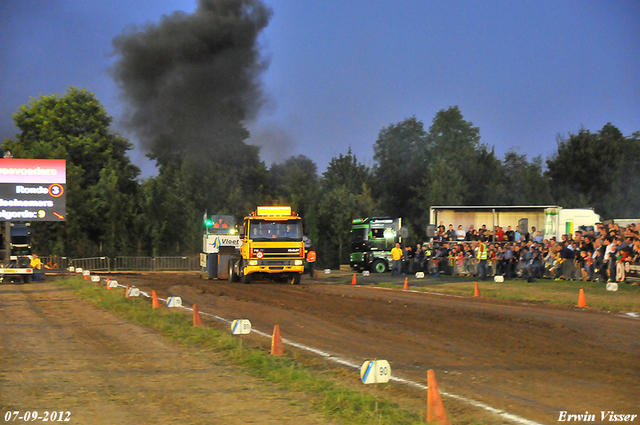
272,246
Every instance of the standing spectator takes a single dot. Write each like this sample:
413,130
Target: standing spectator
460,234
482,232
509,234
517,235
510,262
37,265
311,262
470,236
407,260
418,258
450,234
482,256
499,234
610,260
538,238
396,260
567,255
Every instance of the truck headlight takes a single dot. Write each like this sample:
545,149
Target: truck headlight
297,263
253,262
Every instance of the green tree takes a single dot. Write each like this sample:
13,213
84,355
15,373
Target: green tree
101,180
345,195
401,155
599,170
457,142
295,183
523,181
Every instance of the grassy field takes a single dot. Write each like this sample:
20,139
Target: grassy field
563,293
625,299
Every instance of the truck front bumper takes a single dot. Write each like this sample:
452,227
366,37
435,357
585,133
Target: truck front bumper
273,266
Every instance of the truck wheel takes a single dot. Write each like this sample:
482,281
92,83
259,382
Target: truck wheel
295,280
379,266
246,279
233,277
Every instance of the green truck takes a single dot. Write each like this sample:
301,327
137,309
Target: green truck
372,239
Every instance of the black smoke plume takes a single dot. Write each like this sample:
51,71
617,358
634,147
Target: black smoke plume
191,81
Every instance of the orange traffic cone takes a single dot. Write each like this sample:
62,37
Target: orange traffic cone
86,277
108,280
155,303
276,342
126,292
582,302
196,316
353,279
476,291
435,407
406,283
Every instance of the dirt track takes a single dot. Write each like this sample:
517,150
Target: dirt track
531,360
59,354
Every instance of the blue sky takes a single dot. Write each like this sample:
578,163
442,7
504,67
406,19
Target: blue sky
340,71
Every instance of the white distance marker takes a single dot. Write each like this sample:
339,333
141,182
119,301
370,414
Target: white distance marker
365,273
241,327
86,272
113,284
174,302
95,278
79,270
375,372
134,292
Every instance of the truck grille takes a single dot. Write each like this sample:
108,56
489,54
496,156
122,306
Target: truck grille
278,252
275,262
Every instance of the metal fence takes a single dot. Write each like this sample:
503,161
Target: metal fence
175,263
123,263
55,262
93,264
133,263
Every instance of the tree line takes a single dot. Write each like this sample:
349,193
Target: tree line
111,211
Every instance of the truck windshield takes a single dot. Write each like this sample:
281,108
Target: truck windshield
275,230
382,239
223,224
358,236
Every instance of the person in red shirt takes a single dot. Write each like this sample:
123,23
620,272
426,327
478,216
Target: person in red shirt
311,261
499,234
220,224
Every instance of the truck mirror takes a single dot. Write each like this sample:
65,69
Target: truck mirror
241,231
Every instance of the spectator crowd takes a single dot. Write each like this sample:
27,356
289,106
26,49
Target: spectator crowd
589,254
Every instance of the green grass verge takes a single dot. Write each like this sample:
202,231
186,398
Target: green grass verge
626,298
337,402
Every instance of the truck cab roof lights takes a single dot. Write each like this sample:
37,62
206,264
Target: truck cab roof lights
274,211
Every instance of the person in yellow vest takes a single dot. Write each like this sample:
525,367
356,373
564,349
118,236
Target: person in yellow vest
36,265
482,255
311,262
396,260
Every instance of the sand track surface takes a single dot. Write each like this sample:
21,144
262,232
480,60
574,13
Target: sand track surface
57,353
530,359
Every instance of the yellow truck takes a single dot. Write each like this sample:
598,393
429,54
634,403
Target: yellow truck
272,246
